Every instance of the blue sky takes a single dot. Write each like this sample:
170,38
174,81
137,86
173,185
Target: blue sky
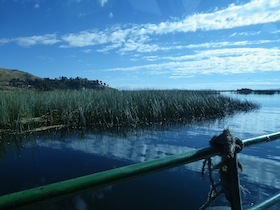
136,44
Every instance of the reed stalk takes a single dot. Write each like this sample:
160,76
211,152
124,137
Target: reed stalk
113,109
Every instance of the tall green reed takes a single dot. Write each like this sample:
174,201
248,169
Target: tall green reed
113,109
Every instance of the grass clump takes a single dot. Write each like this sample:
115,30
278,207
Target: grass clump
113,109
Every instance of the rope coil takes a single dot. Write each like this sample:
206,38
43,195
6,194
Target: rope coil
229,147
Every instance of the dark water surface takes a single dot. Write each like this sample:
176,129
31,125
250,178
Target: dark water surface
37,161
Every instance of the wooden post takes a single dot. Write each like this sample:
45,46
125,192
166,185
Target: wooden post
235,196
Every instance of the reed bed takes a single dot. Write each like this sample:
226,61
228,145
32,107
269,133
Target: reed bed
113,109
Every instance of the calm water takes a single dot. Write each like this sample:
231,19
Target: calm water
41,160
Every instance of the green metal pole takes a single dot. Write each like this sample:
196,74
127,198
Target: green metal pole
98,180
266,204
261,139
94,181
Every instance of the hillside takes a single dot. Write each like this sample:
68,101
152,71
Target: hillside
20,80
6,75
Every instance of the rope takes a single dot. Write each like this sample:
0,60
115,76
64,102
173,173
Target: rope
229,146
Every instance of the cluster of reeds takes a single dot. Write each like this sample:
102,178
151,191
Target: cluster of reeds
113,109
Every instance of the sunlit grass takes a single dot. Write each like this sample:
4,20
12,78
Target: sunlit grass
113,109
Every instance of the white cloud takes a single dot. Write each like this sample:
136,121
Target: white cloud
85,38
37,6
276,32
208,45
254,12
109,47
250,33
102,2
111,15
48,39
144,38
138,46
87,51
227,44
4,41
218,61
229,61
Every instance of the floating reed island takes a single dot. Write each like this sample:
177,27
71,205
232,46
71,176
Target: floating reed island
34,110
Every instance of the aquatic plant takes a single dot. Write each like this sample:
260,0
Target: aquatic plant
113,109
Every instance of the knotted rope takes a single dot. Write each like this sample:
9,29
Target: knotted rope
229,146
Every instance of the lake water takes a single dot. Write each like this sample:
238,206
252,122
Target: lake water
36,161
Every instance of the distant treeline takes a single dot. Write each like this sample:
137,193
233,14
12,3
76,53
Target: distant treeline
62,83
250,91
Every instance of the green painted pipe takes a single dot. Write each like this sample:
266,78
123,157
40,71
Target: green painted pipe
101,179
98,180
261,139
266,204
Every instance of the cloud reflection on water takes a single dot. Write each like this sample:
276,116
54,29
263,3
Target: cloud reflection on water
257,170
261,163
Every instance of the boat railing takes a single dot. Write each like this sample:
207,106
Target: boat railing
75,186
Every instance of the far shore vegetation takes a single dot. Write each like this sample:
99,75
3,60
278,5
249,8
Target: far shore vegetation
25,111
16,80
263,92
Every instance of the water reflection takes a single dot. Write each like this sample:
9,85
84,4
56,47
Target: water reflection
52,159
257,170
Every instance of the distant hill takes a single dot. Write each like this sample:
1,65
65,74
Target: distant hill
9,74
20,80
6,75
